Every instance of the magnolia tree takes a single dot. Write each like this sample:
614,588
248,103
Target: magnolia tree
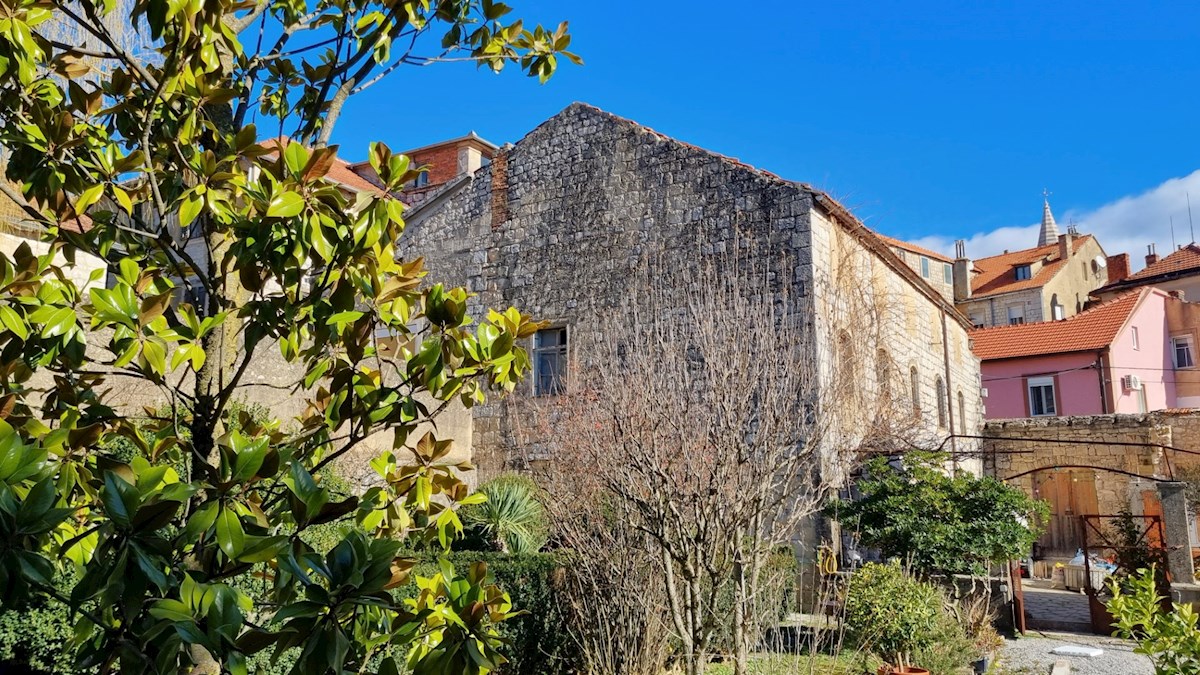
177,190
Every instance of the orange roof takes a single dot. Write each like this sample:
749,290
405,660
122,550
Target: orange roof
340,173
919,250
1181,260
997,274
1089,330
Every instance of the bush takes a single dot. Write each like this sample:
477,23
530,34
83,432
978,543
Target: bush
512,520
897,617
1170,638
36,636
940,523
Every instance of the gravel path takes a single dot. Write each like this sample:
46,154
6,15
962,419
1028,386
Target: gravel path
1031,655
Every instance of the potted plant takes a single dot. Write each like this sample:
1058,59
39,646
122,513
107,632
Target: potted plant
893,615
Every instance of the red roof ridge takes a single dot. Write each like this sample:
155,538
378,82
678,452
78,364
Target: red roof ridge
900,243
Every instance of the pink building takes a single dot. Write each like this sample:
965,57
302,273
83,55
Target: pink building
1114,357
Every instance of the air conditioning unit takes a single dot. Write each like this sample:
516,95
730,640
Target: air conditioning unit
1131,382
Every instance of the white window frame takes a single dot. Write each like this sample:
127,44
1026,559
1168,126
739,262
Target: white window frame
1015,320
1133,332
1024,272
924,267
1185,341
1041,384
560,350
947,273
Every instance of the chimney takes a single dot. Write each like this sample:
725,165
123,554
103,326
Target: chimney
1065,245
1118,267
962,272
469,160
500,187
1151,256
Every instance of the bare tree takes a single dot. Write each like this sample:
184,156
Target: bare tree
728,414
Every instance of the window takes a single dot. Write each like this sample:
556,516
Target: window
925,267
421,180
915,383
1057,311
1181,348
962,413
947,273
1016,315
941,403
977,319
549,361
1041,396
1024,272
1133,332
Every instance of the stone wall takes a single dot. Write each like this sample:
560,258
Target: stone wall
563,224
1134,444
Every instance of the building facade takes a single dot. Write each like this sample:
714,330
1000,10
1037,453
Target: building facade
559,224
1114,357
1049,282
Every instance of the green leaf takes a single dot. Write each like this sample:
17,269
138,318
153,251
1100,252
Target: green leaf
171,610
285,205
13,322
189,208
230,535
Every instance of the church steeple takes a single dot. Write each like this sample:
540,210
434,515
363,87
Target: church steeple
1049,232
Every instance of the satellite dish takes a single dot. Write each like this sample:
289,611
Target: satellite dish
1101,261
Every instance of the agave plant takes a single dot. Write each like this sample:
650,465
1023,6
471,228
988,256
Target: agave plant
512,520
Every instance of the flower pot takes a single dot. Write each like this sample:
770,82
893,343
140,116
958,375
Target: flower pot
887,669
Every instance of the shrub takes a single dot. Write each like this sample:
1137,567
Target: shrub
939,522
512,520
537,641
1170,638
893,615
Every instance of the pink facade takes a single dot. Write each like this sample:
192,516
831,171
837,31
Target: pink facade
1021,386
1149,360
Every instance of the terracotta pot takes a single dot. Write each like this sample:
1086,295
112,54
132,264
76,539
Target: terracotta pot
907,670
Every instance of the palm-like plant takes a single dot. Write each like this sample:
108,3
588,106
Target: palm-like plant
512,520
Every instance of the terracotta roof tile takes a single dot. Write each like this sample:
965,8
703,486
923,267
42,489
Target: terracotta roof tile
1091,329
919,250
1181,260
997,274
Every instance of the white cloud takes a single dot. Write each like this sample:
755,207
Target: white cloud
1126,225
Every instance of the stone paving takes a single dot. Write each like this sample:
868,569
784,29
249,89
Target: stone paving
1055,609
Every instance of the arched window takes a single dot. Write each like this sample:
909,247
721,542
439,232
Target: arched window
941,403
915,382
962,413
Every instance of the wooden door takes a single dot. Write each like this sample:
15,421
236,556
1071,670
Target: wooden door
1070,494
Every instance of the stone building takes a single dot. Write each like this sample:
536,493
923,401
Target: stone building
559,223
1049,282
936,269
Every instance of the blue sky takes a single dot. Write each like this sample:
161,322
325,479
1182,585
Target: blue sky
932,121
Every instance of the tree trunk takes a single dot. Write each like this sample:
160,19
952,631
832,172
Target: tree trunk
741,597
